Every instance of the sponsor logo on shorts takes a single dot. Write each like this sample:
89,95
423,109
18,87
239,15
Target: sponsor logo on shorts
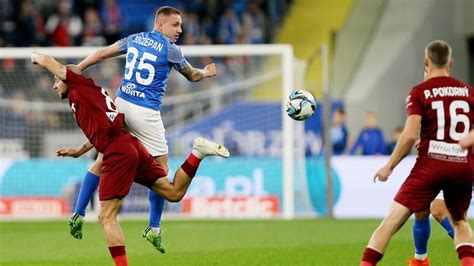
447,151
129,88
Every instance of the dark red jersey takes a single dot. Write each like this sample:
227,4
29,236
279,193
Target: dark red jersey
446,106
94,111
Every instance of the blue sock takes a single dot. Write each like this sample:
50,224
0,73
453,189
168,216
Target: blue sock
421,234
447,225
156,208
88,187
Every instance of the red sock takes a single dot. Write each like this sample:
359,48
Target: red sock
467,261
371,257
119,255
191,165
466,254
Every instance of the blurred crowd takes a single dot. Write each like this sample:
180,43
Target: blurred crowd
99,22
369,141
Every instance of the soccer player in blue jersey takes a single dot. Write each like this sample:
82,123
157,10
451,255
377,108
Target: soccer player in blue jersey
149,59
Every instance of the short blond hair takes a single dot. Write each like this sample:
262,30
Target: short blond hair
166,11
438,52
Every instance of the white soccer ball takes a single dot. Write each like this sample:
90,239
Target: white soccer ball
300,105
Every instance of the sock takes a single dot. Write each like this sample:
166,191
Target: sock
88,187
466,254
191,165
156,230
421,234
370,257
119,255
156,209
467,261
198,154
447,225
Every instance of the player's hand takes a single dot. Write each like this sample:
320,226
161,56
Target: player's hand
382,174
466,142
66,152
211,70
34,56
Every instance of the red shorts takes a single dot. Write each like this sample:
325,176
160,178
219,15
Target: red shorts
428,177
125,161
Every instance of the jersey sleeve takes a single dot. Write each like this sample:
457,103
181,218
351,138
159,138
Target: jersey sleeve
123,43
413,103
76,79
176,57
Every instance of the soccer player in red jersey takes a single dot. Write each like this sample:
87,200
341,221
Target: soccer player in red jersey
125,159
443,108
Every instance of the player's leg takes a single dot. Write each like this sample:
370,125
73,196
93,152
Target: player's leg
156,201
152,232
88,187
119,168
202,148
441,214
463,241
112,230
147,126
421,234
380,238
457,195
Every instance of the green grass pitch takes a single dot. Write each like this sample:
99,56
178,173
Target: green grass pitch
268,242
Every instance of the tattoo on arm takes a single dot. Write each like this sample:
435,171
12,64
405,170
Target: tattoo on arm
192,74
85,148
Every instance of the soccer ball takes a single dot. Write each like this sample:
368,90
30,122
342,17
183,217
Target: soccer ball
300,105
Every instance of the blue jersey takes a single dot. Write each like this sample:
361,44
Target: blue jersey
371,140
150,56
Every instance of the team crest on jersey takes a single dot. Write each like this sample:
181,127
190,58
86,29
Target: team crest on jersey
111,115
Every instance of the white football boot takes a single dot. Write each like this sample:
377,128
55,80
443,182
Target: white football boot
203,147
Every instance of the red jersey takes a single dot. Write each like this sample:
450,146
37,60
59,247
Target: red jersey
446,106
94,111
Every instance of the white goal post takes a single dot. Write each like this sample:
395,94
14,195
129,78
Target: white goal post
284,51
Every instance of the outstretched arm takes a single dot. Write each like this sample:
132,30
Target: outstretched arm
196,74
50,64
85,147
107,52
404,145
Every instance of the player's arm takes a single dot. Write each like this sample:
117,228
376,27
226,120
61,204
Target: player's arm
195,74
404,145
407,139
467,141
50,64
77,152
107,52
